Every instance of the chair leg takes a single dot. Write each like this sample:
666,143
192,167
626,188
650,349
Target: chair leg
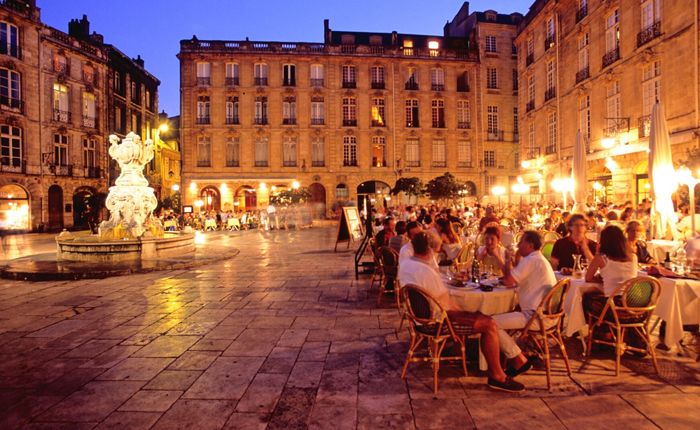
619,349
547,360
412,346
560,341
437,353
589,343
463,347
650,348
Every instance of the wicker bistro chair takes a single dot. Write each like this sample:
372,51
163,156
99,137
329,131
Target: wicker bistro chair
429,323
390,270
550,236
547,249
629,308
464,257
546,324
378,274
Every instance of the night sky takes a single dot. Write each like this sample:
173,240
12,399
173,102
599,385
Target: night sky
154,28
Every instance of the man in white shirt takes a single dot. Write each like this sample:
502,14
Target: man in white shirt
406,252
420,271
533,277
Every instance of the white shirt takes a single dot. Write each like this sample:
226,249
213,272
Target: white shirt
270,209
423,275
535,278
406,252
615,273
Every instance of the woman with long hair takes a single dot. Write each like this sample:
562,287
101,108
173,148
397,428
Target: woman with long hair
451,245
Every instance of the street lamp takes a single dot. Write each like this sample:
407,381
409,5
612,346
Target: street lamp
498,191
296,185
685,177
563,186
520,188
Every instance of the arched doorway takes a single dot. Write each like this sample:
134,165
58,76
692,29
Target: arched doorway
471,188
85,207
372,189
14,208
317,200
55,207
246,197
211,198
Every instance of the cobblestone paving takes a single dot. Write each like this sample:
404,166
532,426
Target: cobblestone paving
281,336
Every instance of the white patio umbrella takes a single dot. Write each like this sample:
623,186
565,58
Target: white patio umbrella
662,176
579,176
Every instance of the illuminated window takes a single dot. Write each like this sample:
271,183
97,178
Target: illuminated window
10,146
378,151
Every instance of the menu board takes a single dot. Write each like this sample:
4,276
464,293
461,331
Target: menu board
350,226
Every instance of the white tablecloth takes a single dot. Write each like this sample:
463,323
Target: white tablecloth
658,248
678,304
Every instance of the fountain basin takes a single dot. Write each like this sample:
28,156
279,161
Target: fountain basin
92,249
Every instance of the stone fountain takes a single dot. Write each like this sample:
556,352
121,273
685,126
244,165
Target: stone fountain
132,232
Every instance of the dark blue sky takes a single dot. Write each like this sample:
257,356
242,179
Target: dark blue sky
153,28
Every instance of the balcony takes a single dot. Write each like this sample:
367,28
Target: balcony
203,120
533,153
93,172
13,50
530,106
349,123
413,123
550,94
462,87
439,164
203,163
232,120
379,85
61,115
550,149
289,163
548,42
203,80
494,135
62,169
412,163
348,49
464,124
466,164
648,34
261,163
616,126
289,121
377,123
289,83
644,126
611,56
438,124
437,87
232,81
318,163
350,163
11,104
317,121
583,74
260,82
349,84
89,121
582,12
529,59
408,52
317,82
411,85
260,120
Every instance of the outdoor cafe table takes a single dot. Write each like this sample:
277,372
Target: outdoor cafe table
658,248
470,299
678,304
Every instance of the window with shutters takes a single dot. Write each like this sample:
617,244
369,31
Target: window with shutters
412,153
612,37
260,117
232,110
532,150
203,110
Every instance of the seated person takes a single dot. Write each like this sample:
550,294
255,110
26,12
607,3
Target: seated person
488,218
412,228
635,238
533,277
400,239
386,233
492,254
575,243
418,270
616,264
451,245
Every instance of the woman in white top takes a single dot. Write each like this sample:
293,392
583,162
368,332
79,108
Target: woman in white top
615,264
492,254
451,245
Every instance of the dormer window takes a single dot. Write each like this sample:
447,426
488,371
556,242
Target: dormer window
490,16
347,39
408,47
375,40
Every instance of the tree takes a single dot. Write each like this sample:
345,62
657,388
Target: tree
445,187
409,186
290,197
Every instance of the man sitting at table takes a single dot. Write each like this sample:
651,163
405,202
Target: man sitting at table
406,252
420,271
382,238
533,277
575,243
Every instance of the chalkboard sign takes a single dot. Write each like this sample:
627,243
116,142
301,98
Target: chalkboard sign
349,227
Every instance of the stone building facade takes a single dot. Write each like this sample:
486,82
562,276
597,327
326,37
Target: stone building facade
56,112
598,67
348,116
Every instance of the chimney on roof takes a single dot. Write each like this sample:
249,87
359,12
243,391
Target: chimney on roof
394,38
138,60
97,38
327,32
79,29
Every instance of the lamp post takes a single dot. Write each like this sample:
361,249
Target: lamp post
685,177
498,191
520,188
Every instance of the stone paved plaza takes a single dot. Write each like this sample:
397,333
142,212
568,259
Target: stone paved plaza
282,336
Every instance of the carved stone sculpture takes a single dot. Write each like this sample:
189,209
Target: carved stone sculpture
131,201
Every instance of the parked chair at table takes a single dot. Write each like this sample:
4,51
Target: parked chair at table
390,268
434,330
378,274
550,236
629,308
546,324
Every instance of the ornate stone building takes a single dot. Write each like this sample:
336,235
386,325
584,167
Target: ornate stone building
350,115
598,66
55,97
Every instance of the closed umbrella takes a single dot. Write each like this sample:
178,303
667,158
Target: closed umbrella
662,176
579,175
